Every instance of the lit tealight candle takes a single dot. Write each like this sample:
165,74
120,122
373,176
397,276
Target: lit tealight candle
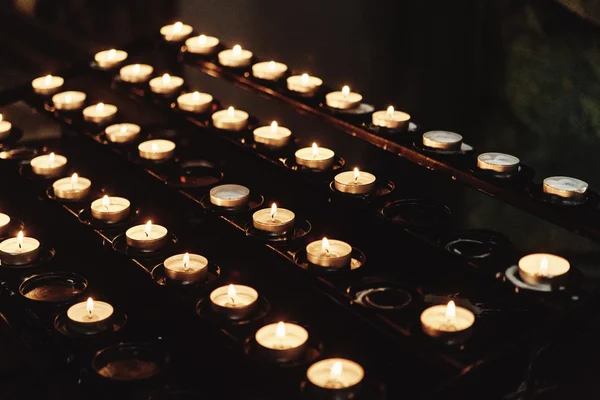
136,73
91,317
282,342
20,250
390,118
47,85
122,133
234,301
273,136
99,113
235,57
335,378
72,188
48,164
157,149
315,157
269,70
304,84
448,322
176,32
147,237
498,162
344,99
274,220
330,254
540,268
443,140
354,182
107,59
110,209
230,119
565,187
70,100
5,128
195,102
4,221
166,84
186,268
202,44
230,196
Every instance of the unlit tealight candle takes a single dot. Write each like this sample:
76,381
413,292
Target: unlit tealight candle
269,70
157,149
442,140
175,32
230,196
69,100
315,157
390,118
166,84
48,164
344,99
107,59
148,237
20,250
498,162
122,133
332,254
201,44
195,102
235,57
273,220
274,136
565,187
47,85
99,113
110,209
186,268
541,268
136,73
72,188
354,182
230,119
304,84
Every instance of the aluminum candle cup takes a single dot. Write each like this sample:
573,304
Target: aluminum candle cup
157,150
147,237
166,84
390,119
195,102
122,133
99,113
329,254
335,379
354,182
230,196
4,221
48,165
68,101
110,209
72,188
343,100
235,302
315,157
565,187
269,70
235,57
136,73
19,250
274,220
107,59
176,32
443,140
5,128
541,268
281,342
273,136
230,119
91,317
47,85
448,322
304,84
201,44
498,162
186,268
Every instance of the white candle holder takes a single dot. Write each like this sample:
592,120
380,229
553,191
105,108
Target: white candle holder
234,302
48,165
269,70
175,32
20,250
235,57
230,196
108,59
318,158
99,113
136,73
304,85
73,188
69,100
201,44
442,140
186,268
543,269
565,187
276,221
329,255
195,102
230,119
499,163
272,136
391,119
147,237
111,209
281,342
355,182
334,379
166,84
158,150
343,100
449,322
91,317
6,128
47,85
4,224
122,133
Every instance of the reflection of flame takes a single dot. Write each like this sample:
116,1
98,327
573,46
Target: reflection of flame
237,50
196,97
166,78
202,39
346,90
280,330
390,111
148,228
356,174
273,211
544,266
51,158
99,107
232,293
90,307
177,27
304,79
325,245
274,126
336,370
154,147
74,180
136,68
231,112
271,65
112,53
451,311
20,239
315,149
123,128
48,80
68,98
106,202
186,261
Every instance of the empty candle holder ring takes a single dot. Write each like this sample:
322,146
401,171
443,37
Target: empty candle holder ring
380,189
158,248
479,246
160,276
65,326
11,136
300,229
206,309
130,362
194,174
383,294
20,155
360,113
85,217
416,213
564,286
53,287
357,259
336,164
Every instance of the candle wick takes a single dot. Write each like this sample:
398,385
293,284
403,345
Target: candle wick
232,300
146,234
19,245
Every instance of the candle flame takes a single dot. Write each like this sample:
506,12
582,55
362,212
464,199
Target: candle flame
346,90
280,330
232,293
74,180
186,260
68,98
274,126
237,50
390,111
99,107
451,310
544,266
271,65
336,370
123,128
356,174
90,307
136,68
20,239
231,112
106,202
166,78
325,245
196,96
315,149
112,53
202,39
304,79
48,80
154,147
273,211
51,158
148,228
177,27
